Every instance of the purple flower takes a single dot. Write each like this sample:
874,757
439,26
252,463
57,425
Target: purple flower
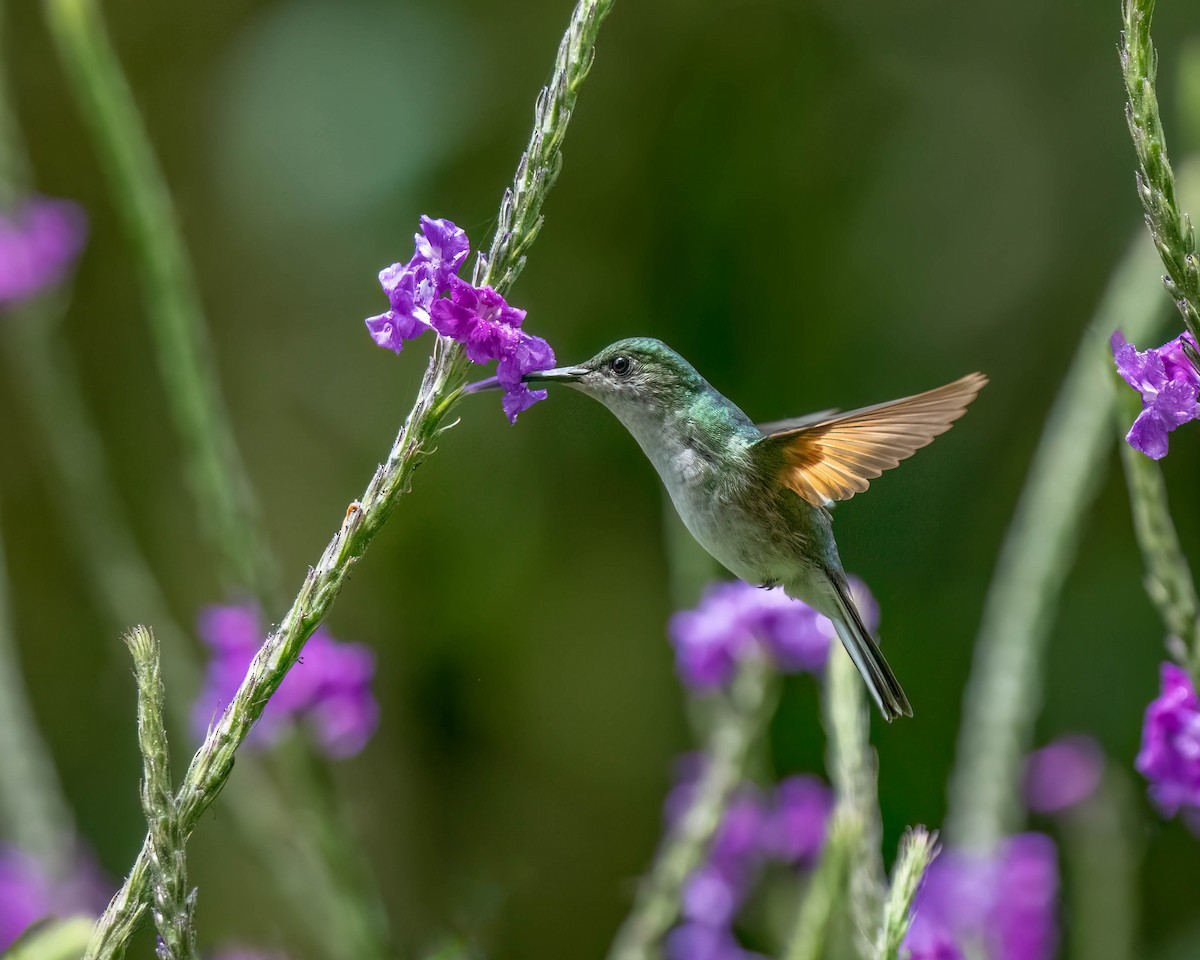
39,244
731,617
799,820
1169,386
1063,774
702,941
1003,904
1170,753
477,317
329,688
29,894
439,250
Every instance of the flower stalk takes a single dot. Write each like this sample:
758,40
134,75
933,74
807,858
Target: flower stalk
215,471
1172,231
173,907
740,716
1004,690
918,848
439,391
1168,580
827,888
853,770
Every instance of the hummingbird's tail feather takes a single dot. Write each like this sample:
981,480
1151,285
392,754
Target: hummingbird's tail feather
864,651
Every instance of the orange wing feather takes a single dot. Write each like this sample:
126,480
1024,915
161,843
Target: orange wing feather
836,458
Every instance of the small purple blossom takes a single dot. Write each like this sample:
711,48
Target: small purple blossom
39,244
1003,904
439,250
787,826
29,894
329,688
1170,753
1169,385
798,822
1062,774
477,317
731,617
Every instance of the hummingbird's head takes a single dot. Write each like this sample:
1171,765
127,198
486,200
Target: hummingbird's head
634,378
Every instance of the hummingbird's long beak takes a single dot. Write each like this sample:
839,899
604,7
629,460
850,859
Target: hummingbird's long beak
557,375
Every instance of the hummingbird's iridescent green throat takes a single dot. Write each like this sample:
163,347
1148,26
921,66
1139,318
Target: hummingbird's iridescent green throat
756,497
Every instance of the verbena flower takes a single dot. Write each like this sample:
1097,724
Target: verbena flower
1001,906
1169,385
1062,774
39,244
29,894
786,826
328,690
732,617
1170,753
477,317
799,820
439,250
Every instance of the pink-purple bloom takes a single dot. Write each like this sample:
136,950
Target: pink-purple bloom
39,243
1063,774
1001,906
787,826
1169,385
477,317
28,893
328,690
1170,753
733,617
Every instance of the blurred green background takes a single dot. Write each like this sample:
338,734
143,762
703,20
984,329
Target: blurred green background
819,204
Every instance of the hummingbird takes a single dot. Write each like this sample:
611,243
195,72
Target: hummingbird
757,497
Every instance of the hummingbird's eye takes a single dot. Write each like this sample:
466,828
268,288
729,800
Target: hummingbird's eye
621,365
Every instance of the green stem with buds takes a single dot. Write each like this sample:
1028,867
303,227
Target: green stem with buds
439,392
1172,231
1168,579
215,470
739,718
827,889
1004,691
918,849
173,907
853,770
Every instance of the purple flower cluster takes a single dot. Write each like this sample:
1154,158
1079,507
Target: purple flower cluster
477,317
787,827
1001,906
1170,753
29,894
1169,385
329,688
39,244
733,617
1063,774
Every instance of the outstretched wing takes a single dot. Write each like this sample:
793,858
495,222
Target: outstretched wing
836,458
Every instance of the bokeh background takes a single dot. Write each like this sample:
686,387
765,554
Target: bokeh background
818,203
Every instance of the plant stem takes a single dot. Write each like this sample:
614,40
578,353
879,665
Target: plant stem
32,806
1102,841
1172,232
440,390
853,770
827,888
917,851
1003,693
173,908
738,720
215,471
1168,579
